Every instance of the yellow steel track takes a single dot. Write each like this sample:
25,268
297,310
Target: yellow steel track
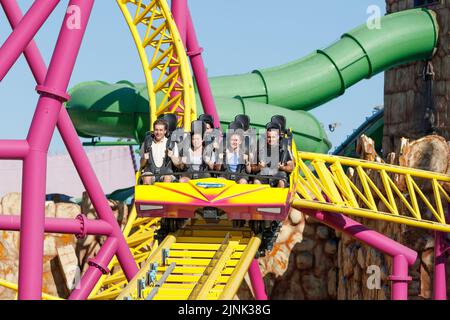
139,233
164,60
372,193
204,262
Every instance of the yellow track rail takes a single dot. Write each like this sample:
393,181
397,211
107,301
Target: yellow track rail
324,185
139,233
14,287
203,262
164,60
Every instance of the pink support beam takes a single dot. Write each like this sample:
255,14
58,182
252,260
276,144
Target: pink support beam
95,191
403,256
14,16
257,281
19,39
441,247
440,259
52,95
179,10
198,66
63,226
99,267
13,149
400,278
73,144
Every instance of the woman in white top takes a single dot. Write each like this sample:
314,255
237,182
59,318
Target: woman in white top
193,162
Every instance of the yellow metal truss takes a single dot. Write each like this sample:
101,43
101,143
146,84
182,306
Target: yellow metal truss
204,262
164,60
325,185
14,287
139,233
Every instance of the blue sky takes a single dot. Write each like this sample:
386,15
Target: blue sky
238,36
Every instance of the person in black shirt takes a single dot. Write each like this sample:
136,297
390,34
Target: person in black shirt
274,159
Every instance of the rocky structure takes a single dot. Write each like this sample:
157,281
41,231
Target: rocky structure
303,263
416,106
64,255
54,282
356,260
89,247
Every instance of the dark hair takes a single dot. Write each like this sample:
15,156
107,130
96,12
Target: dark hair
271,126
161,122
208,119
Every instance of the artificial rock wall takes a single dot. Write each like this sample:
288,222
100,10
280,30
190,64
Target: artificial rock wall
302,264
406,115
406,96
64,255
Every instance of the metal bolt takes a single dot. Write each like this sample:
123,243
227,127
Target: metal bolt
165,256
140,287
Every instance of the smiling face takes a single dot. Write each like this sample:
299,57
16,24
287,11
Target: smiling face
197,141
159,132
235,141
273,136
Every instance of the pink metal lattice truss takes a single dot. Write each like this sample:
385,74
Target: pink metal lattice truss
49,114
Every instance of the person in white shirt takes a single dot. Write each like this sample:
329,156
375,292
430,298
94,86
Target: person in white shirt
156,162
194,163
236,163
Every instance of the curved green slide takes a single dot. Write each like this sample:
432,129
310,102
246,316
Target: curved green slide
121,110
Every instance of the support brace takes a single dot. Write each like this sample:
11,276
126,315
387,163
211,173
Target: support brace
103,268
53,92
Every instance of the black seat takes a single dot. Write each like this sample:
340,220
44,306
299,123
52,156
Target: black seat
281,120
198,126
171,120
235,126
244,120
207,118
273,125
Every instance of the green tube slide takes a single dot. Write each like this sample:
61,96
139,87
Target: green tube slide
121,110
325,74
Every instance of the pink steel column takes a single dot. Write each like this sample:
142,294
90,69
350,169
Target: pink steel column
179,13
195,54
24,32
440,259
81,162
98,267
13,149
403,256
53,93
400,278
64,226
98,199
32,55
257,281
440,285
178,9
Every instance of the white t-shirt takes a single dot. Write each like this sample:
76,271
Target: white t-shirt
158,152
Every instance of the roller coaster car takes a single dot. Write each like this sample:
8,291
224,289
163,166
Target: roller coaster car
214,199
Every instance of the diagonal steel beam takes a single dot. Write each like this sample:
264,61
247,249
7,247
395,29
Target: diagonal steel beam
24,32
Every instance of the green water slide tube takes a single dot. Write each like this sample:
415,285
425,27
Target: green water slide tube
325,74
121,110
